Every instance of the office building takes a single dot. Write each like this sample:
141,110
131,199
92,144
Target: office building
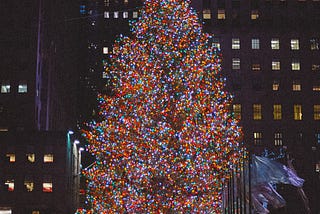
39,65
40,172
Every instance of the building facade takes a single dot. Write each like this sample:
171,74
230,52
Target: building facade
40,173
271,58
39,65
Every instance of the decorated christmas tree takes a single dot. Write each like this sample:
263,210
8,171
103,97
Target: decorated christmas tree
166,140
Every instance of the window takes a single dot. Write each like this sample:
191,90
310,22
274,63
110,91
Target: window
314,44
255,44
22,87
28,183
297,112
105,50
317,135
275,85
255,67
47,186
235,63
106,15
235,43
294,44
10,184
11,157
315,67
275,65
275,44
277,112
299,138
295,65
254,14
257,112
278,139
316,88
125,15
5,87
237,111
31,157
206,14
296,85
48,158
216,43
318,167
135,14
116,14
316,112
221,14
257,138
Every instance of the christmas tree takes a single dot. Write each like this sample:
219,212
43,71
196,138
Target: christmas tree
166,141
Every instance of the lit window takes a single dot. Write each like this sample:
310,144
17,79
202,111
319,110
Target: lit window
237,111
275,85
235,63
125,15
257,111
5,87
278,139
134,14
105,50
275,44
277,112
276,65
255,67
216,43
255,44
116,14
316,88
10,184
315,67
295,65
318,167
28,183
31,158
257,138
206,14
82,9
296,85
314,44
316,112
22,87
11,157
221,14
254,14
297,112
106,15
235,43
47,186
317,135
48,158
294,44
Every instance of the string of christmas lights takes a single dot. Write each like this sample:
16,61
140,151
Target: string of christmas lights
167,140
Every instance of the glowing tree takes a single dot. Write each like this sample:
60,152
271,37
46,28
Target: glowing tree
166,141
